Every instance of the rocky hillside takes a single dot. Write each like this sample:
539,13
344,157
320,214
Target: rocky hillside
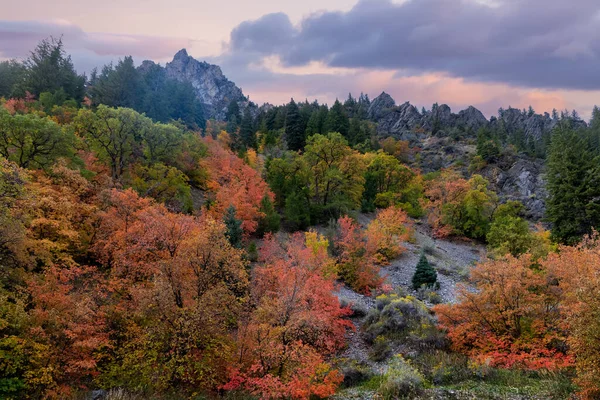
443,139
213,89
406,122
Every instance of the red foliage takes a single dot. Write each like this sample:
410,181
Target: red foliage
233,182
15,106
68,318
511,320
297,322
356,263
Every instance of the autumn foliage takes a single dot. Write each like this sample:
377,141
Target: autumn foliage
360,251
296,324
533,316
233,182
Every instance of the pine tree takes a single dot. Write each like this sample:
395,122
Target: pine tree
233,116
573,206
337,120
247,133
294,131
270,222
425,274
233,226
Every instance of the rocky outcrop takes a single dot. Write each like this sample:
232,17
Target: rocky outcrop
213,89
402,122
471,119
525,182
380,106
407,123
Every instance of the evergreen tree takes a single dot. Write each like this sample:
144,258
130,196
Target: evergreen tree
297,209
118,86
233,228
11,73
351,106
573,177
294,132
233,116
247,132
49,69
425,274
337,120
270,222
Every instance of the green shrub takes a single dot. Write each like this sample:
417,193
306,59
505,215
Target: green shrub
440,367
355,373
402,318
428,294
401,380
271,220
252,252
425,275
380,350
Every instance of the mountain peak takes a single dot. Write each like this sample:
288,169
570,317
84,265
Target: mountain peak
181,54
212,88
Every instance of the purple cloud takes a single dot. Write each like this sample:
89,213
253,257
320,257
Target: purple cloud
88,50
532,43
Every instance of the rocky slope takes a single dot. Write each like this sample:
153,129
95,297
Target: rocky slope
405,121
213,89
444,139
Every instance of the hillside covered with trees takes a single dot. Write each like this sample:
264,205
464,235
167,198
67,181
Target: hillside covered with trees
301,251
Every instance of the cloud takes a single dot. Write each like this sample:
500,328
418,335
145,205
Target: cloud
528,43
88,50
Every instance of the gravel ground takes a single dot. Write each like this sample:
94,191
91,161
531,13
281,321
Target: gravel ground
452,260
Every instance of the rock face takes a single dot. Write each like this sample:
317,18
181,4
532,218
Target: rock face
402,122
405,122
525,182
380,106
213,89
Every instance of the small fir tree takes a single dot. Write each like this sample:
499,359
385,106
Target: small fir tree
425,274
233,227
270,222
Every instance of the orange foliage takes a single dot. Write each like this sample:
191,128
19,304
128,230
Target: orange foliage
15,106
233,182
447,190
297,322
577,271
68,319
386,233
511,320
356,264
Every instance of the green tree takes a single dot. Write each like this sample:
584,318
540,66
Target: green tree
114,134
336,178
573,207
233,116
337,120
509,233
271,220
294,131
425,274
316,122
32,141
118,86
233,228
11,74
384,175
162,142
49,69
297,209
247,132
166,184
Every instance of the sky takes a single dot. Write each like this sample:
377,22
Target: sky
486,53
